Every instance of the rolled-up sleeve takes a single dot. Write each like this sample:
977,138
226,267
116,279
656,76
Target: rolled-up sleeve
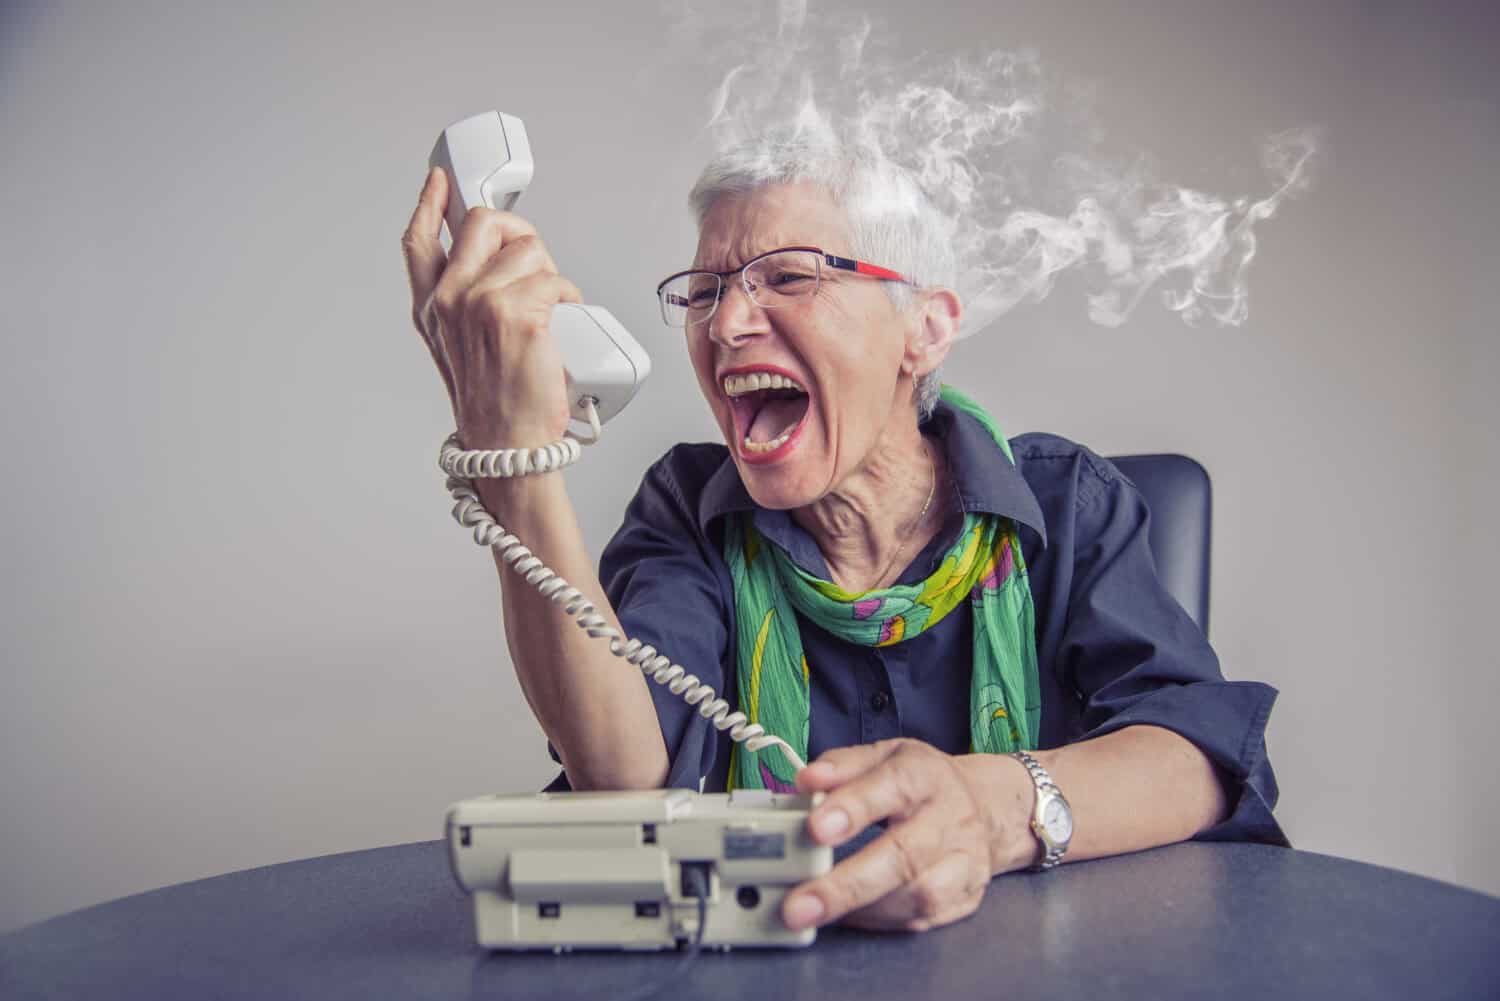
1136,657
660,579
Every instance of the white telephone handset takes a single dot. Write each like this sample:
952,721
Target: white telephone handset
488,160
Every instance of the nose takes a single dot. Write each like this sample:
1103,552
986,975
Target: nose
737,318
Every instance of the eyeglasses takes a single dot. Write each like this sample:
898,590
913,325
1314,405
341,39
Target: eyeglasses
774,279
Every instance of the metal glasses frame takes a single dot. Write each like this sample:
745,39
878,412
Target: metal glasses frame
832,260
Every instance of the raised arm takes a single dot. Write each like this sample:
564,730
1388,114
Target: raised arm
484,315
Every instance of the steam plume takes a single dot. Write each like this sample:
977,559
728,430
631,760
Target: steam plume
1008,155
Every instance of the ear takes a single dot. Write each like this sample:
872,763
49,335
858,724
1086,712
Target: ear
936,318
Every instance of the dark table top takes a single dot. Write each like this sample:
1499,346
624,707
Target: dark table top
1185,921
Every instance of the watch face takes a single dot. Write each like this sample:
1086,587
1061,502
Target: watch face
1058,820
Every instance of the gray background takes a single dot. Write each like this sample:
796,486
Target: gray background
240,627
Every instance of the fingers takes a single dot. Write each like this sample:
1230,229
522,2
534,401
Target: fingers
520,280
870,782
916,876
520,259
480,309
896,859
419,243
948,891
839,765
484,232
920,787
549,287
425,261
522,307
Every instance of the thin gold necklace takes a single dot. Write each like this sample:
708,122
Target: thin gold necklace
931,489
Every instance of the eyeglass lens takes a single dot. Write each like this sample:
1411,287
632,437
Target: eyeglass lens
770,281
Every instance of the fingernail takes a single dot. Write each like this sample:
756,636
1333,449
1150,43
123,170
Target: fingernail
431,172
803,911
817,773
833,823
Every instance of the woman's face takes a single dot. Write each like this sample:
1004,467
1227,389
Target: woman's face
844,346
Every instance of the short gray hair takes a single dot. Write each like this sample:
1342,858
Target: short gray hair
892,222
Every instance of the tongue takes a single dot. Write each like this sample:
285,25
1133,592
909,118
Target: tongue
774,417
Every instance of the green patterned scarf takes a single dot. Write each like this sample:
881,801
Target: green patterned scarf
985,565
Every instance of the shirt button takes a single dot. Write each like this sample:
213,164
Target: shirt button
879,701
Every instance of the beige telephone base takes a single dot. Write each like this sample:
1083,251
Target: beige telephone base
605,870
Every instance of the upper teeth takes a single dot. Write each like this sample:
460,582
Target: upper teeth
738,385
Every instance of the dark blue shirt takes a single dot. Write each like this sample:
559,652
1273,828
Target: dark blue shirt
1113,647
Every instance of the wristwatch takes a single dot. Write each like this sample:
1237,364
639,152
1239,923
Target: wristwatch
1052,818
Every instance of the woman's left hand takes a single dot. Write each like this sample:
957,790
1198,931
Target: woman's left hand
938,854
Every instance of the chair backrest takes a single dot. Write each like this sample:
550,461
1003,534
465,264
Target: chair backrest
1180,497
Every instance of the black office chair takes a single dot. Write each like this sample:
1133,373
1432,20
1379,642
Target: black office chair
1178,491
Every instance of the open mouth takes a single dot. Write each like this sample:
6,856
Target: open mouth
769,409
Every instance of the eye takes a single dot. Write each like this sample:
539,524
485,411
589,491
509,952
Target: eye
701,298
788,279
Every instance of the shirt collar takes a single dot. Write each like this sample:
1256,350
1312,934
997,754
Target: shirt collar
987,483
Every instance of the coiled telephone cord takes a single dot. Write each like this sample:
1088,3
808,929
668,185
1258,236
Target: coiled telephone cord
462,467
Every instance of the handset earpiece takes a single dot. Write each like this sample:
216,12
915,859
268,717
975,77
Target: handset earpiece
488,160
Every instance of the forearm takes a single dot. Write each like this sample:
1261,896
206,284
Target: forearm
1135,788
593,706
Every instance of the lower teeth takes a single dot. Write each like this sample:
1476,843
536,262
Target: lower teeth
767,446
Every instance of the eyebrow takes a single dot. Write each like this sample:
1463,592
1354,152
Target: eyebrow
759,249
713,266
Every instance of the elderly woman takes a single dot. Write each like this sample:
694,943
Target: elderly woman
867,567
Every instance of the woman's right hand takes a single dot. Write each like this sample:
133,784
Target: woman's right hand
485,314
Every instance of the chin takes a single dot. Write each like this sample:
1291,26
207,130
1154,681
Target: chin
773,492
782,486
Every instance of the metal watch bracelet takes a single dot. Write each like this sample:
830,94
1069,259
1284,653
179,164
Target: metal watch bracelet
1045,788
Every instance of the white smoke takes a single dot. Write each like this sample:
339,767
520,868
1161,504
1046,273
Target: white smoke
1006,154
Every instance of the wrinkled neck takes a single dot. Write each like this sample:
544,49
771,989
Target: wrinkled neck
872,524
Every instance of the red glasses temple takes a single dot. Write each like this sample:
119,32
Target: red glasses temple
849,264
